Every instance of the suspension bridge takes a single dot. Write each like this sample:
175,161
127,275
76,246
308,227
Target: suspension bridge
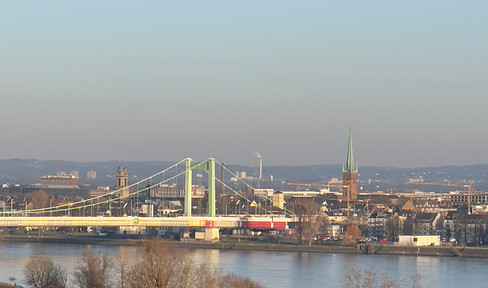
122,207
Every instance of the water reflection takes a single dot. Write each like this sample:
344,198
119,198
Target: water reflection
208,257
274,269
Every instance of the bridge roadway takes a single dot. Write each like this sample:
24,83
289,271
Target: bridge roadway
275,222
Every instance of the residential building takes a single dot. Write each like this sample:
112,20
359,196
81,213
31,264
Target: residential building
419,240
59,181
378,225
91,175
426,223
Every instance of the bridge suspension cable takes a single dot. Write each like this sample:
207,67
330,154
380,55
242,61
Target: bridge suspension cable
113,196
105,201
265,197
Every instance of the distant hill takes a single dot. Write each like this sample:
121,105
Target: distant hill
29,171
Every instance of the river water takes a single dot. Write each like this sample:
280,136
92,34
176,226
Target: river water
276,269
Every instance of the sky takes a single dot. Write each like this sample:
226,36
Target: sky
166,80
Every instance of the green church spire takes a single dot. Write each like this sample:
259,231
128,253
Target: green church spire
349,167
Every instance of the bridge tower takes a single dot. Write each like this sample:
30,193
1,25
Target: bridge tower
350,174
209,167
211,233
122,182
188,188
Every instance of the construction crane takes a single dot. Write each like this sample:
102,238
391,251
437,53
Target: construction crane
315,185
468,186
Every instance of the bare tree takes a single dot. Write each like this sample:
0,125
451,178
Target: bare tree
40,272
204,278
93,270
232,280
161,265
352,235
39,199
309,220
122,266
369,278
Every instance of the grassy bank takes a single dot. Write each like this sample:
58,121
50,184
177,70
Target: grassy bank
5,285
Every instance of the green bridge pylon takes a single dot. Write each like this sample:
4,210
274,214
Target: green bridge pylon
209,167
188,186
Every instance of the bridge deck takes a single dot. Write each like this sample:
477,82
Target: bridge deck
204,222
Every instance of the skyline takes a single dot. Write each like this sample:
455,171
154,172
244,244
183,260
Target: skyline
89,81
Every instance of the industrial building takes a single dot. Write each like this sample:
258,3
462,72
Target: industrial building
419,240
58,181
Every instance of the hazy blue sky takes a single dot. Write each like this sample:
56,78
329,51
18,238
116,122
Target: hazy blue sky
157,80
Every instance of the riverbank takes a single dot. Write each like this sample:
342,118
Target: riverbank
232,244
5,285
227,244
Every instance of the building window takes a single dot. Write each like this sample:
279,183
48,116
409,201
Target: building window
415,239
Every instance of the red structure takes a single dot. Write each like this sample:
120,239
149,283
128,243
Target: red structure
264,225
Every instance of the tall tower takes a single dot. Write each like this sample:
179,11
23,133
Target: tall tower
350,173
122,181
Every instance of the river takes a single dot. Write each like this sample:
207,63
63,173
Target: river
276,269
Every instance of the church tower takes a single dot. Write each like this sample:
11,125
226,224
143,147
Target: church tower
350,174
122,181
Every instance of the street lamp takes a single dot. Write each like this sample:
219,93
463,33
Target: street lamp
237,205
224,203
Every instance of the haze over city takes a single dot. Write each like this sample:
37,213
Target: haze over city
90,81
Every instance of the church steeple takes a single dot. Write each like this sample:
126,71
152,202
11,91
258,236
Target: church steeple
350,174
349,167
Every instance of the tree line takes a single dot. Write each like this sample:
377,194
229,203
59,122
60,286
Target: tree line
158,265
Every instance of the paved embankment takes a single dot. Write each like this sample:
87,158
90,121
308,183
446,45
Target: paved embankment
74,240
224,245
445,251
369,249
